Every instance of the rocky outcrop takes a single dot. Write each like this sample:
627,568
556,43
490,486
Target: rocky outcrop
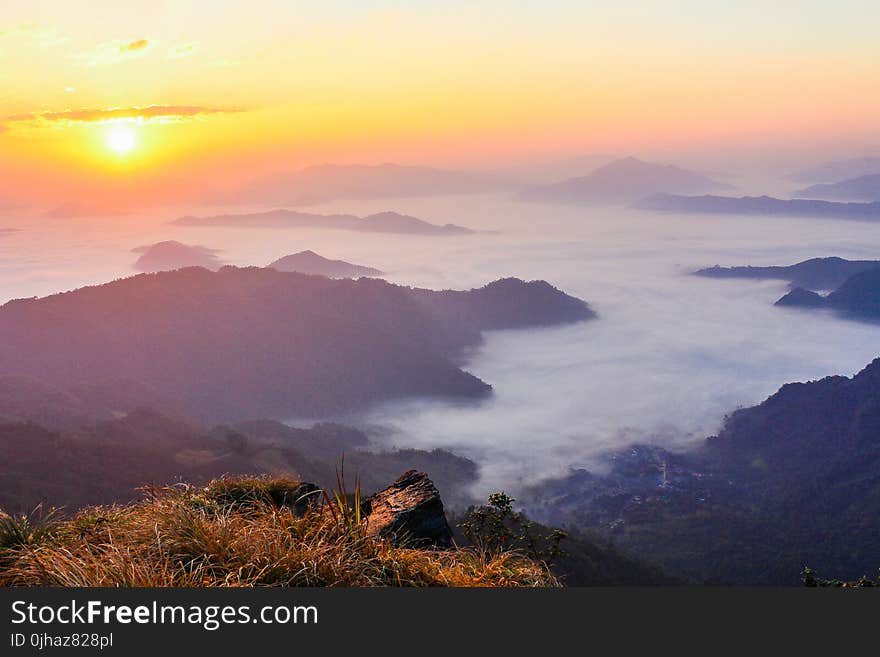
409,512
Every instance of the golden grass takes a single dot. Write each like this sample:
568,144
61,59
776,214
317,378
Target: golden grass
232,533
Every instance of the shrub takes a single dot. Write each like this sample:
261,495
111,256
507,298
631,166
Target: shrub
498,526
25,530
811,580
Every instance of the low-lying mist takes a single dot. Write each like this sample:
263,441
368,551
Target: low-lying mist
668,357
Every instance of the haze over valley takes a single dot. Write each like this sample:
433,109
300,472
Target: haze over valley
668,357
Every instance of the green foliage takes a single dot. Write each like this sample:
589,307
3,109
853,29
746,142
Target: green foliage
243,491
27,530
346,508
498,526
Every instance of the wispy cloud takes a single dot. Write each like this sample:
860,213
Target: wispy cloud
183,50
42,36
113,52
148,114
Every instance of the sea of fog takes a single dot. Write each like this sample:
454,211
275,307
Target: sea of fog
669,356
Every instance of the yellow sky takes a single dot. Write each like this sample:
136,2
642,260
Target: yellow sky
214,89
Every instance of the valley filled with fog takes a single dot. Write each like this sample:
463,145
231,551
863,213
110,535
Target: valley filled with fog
669,355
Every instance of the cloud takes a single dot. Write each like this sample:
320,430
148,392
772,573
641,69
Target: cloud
113,52
72,210
42,36
133,46
182,50
150,113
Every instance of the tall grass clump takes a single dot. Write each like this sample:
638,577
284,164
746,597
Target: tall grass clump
246,531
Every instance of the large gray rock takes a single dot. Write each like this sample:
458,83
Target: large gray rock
409,512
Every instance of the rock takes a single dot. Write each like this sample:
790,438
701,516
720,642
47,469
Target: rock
301,498
409,512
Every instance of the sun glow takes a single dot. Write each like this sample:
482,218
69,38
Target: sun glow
121,139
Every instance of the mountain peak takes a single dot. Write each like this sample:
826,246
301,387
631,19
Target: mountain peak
309,262
626,180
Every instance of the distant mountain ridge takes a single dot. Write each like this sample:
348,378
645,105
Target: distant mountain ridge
839,170
309,262
382,222
256,342
813,274
624,181
105,460
863,188
171,254
761,205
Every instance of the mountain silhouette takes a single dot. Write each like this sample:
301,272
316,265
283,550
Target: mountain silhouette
839,170
309,262
167,255
761,205
813,274
791,481
256,342
863,188
624,181
858,297
382,222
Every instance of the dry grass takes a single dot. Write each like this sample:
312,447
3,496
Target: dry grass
234,533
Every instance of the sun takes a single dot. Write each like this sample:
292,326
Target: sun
121,139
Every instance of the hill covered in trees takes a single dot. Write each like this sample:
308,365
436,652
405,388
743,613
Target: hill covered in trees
791,482
812,274
309,262
247,343
858,297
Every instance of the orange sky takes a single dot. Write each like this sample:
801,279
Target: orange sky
213,91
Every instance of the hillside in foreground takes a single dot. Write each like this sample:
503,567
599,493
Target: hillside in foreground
245,532
262,531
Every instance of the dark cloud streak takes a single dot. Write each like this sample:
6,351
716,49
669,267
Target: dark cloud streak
95,115
133,46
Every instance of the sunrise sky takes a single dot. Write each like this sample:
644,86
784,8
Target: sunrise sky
161,98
